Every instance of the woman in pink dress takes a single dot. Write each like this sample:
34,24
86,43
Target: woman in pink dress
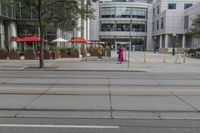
120,55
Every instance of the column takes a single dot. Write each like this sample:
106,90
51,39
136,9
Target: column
13,34
160,41
183,41
115,44
166,41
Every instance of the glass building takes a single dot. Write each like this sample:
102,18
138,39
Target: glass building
123,22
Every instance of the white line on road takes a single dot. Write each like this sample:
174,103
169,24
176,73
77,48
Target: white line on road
59,126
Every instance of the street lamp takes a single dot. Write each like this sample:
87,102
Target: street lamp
173,49
155,44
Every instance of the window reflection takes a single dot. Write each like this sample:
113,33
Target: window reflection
123,12
123,27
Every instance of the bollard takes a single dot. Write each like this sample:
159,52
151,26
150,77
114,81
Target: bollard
145,57
184,60
164,59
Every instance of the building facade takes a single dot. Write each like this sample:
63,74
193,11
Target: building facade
22,24
169,24
145,24
122,22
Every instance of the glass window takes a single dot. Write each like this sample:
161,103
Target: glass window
187,5
119,0
158,10
162,23
107,12
123,12
153,26
139,26
157,24
108,27
139,13
172,6
3,9
123,27
154,12
186,22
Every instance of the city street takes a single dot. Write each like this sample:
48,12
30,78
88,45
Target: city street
91,101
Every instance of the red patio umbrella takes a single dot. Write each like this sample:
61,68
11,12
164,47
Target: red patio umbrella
19,39
33,39
89,42
78,40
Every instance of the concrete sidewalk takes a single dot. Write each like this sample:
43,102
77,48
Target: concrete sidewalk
130,102
154,63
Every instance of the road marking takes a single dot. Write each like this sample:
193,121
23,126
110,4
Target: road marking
59,126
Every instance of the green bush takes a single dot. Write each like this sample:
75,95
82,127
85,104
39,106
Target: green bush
191,51
3,50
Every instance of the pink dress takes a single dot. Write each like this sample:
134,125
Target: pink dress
120,55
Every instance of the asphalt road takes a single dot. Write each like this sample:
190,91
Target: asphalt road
27,125
83,101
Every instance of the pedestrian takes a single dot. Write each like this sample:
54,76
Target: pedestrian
99,52
120,55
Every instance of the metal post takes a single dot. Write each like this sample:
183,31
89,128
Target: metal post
174,39
129,44
129,55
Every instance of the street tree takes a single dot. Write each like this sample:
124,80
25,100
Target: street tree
64,13
195,29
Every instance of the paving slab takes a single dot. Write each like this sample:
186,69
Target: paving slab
179,82
186,92
180,115
3,80
78,90
132,82
192,100
139,91
65,114
15,101
135,115
149,103
48,81
70,102
8,113
81,81
23,89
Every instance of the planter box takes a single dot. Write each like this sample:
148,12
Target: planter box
47,55
63,54
75,55
3,56
30,56
55,55
13,55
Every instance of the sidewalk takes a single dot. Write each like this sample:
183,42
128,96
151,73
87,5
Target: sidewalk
154,63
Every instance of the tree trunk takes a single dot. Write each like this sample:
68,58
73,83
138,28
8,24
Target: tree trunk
40,33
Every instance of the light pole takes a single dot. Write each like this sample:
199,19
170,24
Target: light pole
129,43
155,44
174,41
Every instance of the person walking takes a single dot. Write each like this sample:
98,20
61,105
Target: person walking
120,55
99,52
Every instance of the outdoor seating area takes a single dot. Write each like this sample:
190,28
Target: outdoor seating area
29,49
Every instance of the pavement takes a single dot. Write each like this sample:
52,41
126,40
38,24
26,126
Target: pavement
74,95
155,62
120,95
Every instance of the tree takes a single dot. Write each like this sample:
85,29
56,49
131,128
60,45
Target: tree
48,12
195,29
